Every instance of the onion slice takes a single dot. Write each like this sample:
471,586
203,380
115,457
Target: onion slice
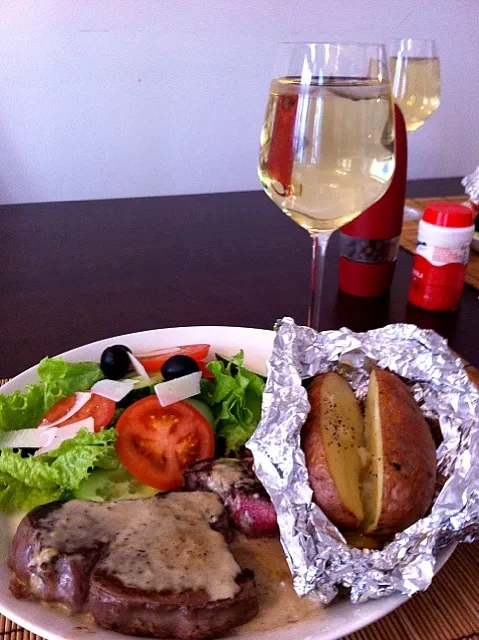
138,367
160,352
81,398
178,389
60,434
45,439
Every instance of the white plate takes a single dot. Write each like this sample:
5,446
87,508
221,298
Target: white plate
335,621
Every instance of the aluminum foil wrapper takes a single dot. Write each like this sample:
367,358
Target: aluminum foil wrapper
471,186
318,556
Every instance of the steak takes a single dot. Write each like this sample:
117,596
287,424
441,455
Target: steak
190,614
48,574
248,505
159,567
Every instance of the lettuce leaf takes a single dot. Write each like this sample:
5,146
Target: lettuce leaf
57,379
16,496
28,482
235,398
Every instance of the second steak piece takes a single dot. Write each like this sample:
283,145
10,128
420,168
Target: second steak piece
234,481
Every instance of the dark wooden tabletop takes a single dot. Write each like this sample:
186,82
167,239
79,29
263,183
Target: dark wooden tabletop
76,272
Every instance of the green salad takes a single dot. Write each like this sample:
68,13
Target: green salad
124,448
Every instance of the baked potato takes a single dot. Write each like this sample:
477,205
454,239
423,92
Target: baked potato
373,474
398,487
332,438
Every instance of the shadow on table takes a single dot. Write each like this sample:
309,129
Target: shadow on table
444,323
363,314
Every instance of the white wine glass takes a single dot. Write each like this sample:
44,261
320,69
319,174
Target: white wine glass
327,142
416,84
416,79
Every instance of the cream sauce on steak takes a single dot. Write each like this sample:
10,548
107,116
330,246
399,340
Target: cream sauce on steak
279,605
184,516
162,544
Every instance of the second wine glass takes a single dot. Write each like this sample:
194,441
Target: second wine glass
327,142
416,79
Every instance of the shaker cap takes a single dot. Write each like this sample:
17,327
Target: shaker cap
448,214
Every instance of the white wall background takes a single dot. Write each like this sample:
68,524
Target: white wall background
119,98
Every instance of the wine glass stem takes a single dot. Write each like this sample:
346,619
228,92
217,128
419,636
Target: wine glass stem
320,244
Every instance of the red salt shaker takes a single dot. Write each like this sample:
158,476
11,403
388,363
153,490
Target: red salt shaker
369,245
442,253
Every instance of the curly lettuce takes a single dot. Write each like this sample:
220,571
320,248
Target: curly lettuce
57,379
234,397
27,482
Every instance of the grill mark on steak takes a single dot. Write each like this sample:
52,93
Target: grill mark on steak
48,565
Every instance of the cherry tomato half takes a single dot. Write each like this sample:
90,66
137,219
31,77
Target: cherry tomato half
206,373
157,443
154,361
99,408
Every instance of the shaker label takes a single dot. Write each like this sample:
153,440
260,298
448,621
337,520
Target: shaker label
436,288
440,256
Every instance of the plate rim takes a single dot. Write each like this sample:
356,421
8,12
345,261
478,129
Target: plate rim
63,354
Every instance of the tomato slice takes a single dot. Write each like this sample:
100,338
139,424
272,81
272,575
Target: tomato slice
154,360
206,373
99,408
157,443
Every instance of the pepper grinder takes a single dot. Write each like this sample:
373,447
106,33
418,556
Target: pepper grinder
369,245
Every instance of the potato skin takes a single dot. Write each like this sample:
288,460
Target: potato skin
409,457
325,494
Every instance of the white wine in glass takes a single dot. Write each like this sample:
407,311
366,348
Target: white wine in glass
327,142
416,84
416,80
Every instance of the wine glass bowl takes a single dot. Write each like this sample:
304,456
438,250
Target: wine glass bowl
327,142
416,79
